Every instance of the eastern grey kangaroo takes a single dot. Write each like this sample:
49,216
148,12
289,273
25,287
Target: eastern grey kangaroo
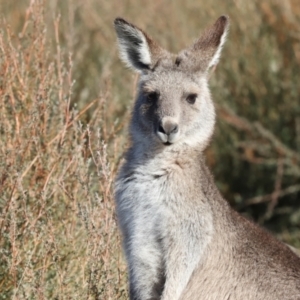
181,238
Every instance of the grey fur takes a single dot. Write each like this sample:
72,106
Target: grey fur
181,239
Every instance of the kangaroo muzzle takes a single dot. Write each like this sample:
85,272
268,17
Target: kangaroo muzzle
167,130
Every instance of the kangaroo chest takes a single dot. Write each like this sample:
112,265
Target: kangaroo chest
161,197
155,188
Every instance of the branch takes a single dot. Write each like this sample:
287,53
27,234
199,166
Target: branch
266,198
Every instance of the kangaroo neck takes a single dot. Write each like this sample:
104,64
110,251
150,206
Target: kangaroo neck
185,160
182,153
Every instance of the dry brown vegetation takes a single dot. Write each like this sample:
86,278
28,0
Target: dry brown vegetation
64,99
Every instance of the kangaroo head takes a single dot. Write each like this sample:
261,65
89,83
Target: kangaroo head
173,104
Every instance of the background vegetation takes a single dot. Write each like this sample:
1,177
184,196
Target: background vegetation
64,105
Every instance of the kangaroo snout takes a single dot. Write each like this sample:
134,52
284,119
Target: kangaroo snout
167,130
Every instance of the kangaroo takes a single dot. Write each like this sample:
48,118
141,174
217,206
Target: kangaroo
181,239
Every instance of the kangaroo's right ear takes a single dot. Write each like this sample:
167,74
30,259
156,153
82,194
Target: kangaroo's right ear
137,49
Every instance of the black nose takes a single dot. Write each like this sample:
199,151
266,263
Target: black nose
168,127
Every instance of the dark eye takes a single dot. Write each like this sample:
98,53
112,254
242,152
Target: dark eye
152,97
191,98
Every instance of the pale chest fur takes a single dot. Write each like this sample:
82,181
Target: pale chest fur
156,198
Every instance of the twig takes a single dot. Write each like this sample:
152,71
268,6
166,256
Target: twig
265,198
231,118
71,122
276,142
58,135
298,133
277,189
240,123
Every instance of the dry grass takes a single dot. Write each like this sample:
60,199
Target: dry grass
64,102
58,231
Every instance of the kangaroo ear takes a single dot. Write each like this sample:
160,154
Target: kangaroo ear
137,49
206,51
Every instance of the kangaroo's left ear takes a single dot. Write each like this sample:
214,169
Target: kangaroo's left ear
206,51
137,49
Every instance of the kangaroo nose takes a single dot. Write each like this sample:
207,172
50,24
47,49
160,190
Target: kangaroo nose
167,127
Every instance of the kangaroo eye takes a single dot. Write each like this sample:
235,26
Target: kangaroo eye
191,98
152,97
